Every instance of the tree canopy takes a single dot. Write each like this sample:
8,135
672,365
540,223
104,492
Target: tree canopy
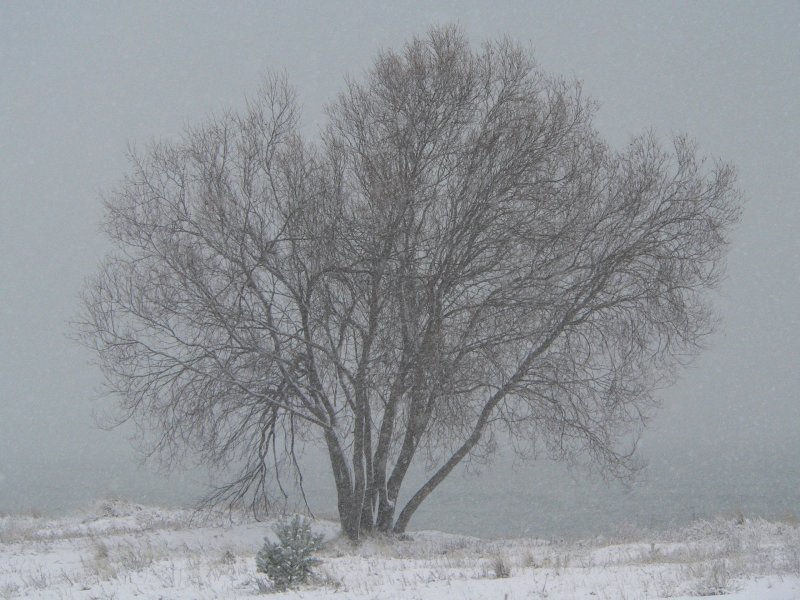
457,257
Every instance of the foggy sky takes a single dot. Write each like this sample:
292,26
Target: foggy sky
78,82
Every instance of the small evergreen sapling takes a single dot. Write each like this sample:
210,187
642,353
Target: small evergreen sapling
289,562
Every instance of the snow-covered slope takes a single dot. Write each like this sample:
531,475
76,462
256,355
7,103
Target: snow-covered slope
120,550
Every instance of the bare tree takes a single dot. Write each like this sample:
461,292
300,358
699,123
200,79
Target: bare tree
459,257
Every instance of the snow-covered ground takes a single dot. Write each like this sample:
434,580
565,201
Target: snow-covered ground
119,550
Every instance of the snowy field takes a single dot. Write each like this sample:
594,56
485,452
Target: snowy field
119,550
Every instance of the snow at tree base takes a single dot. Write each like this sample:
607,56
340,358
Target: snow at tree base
125,551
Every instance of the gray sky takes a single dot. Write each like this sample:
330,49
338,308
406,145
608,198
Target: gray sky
79,81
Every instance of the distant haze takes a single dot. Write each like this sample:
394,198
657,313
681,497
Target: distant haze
80,82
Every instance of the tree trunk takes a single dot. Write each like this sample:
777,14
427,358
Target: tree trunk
433,482
368,503
344,486
388,499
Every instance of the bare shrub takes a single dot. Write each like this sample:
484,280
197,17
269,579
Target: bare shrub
134,557
500,567
714,578
228,557
100,549
38,580
9,590
263,585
